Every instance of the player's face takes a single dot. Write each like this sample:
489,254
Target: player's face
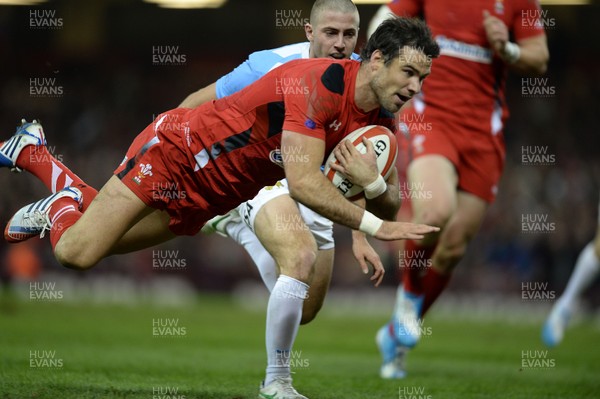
397,82
333,35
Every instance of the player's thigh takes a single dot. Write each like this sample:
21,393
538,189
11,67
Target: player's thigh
432,180
282,231
110,215
319,285
148,232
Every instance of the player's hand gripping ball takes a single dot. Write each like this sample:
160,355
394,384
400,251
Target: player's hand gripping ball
386,149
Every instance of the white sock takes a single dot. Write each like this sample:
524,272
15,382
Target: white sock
283,319
265,263
586,270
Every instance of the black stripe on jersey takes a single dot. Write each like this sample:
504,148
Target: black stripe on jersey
387,119
333,78
230,143
131,163
276,112
385,114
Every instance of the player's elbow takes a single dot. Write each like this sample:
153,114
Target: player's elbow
298,188
539,65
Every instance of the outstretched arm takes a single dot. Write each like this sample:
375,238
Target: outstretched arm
309,186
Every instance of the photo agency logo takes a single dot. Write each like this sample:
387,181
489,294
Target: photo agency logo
169,260
44,291
44,19
417,57
287,222
536,291
413,393
412,327
44,359
414,259
537,88
168,55
414,123
536,19
290,19
167,191
45,87
167,393
46,154
537,223
414,191
537,155
293,359
168,327
291,86
536,359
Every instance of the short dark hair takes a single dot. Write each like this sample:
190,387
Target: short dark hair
396,32
344,6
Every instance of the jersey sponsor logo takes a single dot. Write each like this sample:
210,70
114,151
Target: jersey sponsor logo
309,123
145,170
465,51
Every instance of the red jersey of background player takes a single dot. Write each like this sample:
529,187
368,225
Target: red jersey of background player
468,81
232,145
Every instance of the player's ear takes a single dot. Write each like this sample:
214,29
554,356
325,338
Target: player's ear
376,59
308,29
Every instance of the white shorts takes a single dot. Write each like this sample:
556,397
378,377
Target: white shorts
320,227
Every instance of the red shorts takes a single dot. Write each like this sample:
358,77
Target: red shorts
156,169
477,155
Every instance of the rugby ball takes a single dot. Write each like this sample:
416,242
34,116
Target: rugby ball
386,149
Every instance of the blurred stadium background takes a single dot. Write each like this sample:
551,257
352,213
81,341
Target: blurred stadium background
101,85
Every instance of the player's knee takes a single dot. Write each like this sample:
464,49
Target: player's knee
304,264
71,257
451,249
309,313
299,263
448,257
434,216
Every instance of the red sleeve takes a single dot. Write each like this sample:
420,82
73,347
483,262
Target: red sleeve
308,104
529,19
406,8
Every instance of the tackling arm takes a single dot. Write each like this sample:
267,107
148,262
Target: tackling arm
199,97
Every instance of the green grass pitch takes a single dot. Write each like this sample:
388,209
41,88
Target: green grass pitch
214,349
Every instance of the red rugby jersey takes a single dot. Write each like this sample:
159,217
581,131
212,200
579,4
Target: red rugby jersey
467,83
234,143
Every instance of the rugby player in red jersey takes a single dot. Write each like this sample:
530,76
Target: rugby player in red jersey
456,143
220,154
